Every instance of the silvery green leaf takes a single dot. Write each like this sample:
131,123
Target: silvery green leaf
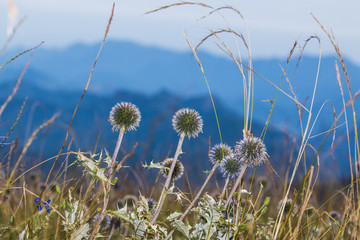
225,236
174,216
154,165
139,228
180,226
81,233
107,159
121,213
92,168
144,203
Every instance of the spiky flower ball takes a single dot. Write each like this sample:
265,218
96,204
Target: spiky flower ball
251,151
219,152
287,206
230,167
334,216
187,121
125,115
178,170
105,223
152,204
116,222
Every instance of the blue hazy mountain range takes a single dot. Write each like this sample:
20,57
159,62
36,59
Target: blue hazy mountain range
148,70
160,82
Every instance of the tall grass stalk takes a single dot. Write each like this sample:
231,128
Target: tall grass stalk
303,145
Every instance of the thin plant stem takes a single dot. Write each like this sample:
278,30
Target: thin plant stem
224,189
168,179
116,151
108,185
200,192
73,116
238,180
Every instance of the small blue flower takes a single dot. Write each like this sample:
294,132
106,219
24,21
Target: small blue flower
46,204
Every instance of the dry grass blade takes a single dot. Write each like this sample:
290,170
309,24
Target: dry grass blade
26,51
228,8
347,127
213,33
341,59
16,121
15,89
82,96
27,145
295,97
8,40
126,157
303,145
179,4
33,167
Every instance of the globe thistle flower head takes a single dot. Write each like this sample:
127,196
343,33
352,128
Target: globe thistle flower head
187,121
219,152
125,115
116,222
334,216
152,204
230,166
105,223
287,206
178,170
251,151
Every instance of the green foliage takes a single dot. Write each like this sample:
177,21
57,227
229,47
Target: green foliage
140,219
92,165
76,223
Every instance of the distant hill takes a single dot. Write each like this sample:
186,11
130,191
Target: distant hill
160,82
155,136
149,70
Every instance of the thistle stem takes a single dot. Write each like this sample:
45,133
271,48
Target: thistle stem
224,189
107,186
168,179
116,151
238,180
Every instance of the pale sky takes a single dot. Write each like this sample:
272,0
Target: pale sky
273,25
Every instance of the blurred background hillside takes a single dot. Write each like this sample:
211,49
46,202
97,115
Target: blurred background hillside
148,63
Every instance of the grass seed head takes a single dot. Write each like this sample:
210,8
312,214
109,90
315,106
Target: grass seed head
187,121
219,152
251,150
125,115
